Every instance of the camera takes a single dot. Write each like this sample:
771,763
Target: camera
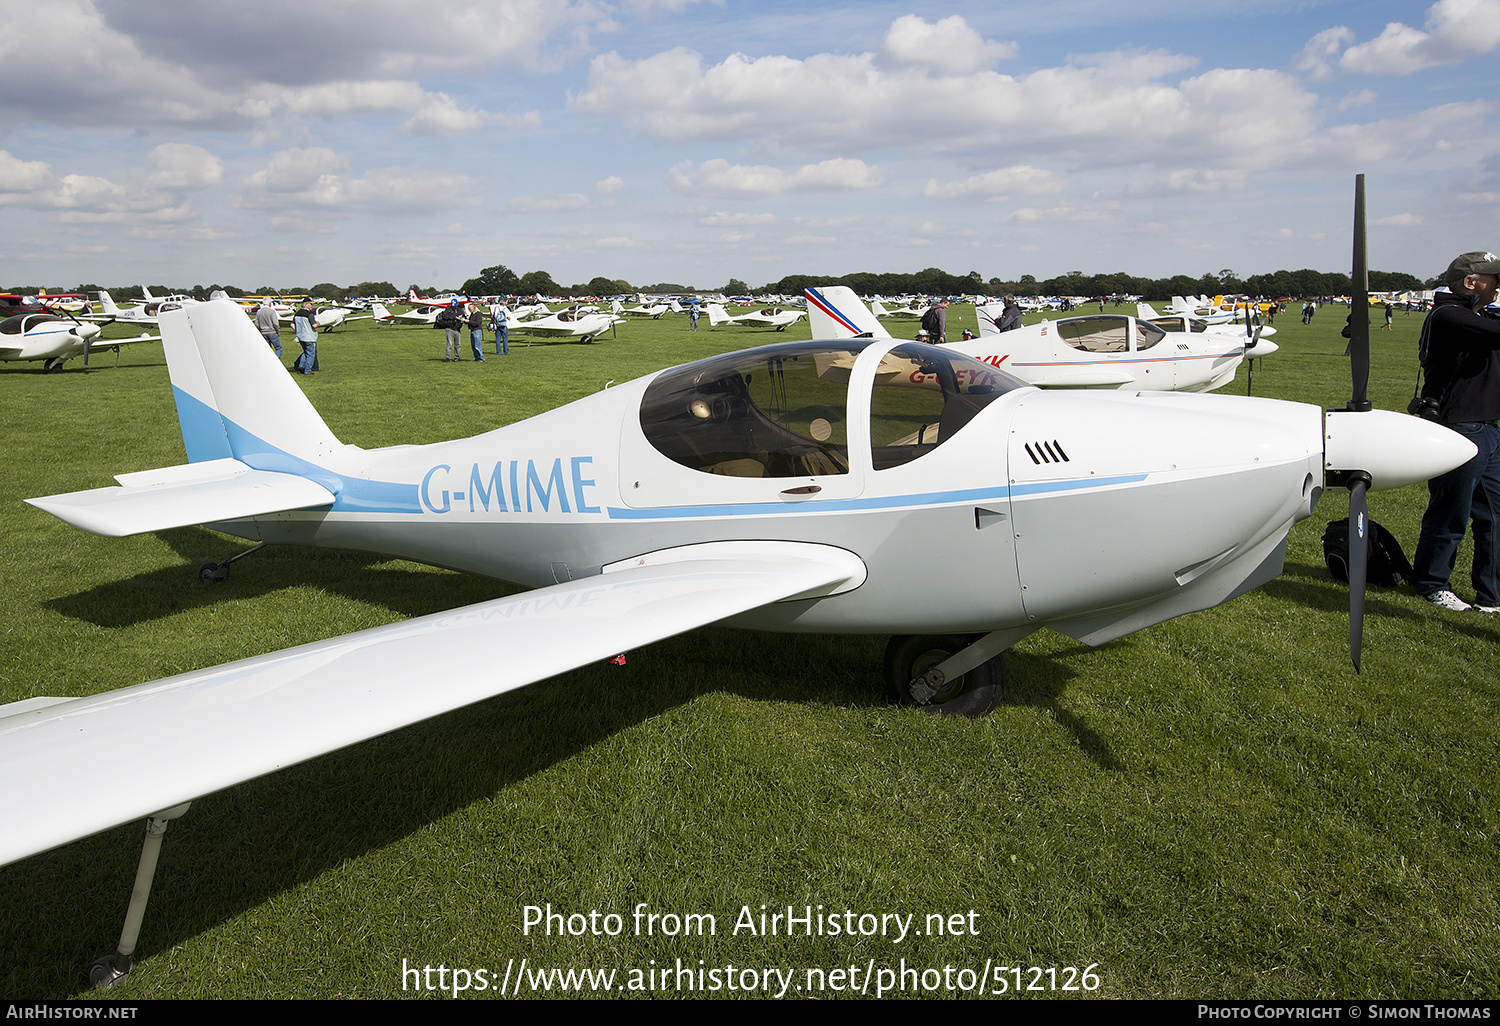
1423,406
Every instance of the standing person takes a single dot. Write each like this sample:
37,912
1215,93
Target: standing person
1390,311
1010,317
693,316
449,321
476,332
501,319
935,320
305,323
268,323
1460,351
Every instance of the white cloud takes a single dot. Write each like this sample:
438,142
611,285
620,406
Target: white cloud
720,219
999,185
1399,220
546,204
948,46
1097,110
313,179
1455,31
718,177
160,195
1316,59
605,186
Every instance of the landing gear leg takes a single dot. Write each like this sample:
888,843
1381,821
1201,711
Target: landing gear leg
53,366
951,675
210,572
111,969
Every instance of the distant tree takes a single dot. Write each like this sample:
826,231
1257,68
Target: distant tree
326,290
735,288
666,286
375,288
537,283
493,281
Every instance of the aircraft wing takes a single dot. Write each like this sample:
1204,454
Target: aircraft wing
194,493
92,763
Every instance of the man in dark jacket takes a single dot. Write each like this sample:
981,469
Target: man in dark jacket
1010,318
1461,357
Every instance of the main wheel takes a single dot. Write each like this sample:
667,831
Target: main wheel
209,572
54,365
909,656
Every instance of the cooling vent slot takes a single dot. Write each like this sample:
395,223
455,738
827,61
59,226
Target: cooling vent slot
1046,452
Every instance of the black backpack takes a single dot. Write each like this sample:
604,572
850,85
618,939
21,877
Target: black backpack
1386,564
930,321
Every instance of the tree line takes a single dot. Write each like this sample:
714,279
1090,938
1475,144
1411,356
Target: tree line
500,280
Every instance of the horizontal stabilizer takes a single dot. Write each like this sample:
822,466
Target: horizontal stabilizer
166,742
194,493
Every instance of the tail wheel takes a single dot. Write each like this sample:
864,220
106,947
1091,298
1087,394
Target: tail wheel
909,656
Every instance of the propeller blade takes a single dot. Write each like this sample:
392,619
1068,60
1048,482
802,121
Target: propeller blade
1359,556
1359,313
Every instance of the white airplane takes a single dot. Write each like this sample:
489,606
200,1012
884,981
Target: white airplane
54,339
1188,324
774,488
572,323
653,311
1094,351
1200,307
770,317
146,312
910,311
424,317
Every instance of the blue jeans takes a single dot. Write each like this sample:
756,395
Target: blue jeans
1472,492
476,343
308,361
274,341
502,341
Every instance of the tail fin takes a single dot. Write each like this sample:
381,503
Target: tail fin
834,311
716,315
234,398
1146,311
989,318
146,293
106,304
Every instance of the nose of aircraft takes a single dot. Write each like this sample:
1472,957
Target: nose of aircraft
1265,347
1393,448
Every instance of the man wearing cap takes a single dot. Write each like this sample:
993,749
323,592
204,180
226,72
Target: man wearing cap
1460,351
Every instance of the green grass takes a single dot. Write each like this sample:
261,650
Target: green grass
1214,807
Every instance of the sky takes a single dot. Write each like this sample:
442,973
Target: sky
288,144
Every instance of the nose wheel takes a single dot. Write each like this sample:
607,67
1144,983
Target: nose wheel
910,662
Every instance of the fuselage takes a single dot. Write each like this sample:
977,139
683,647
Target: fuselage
976,502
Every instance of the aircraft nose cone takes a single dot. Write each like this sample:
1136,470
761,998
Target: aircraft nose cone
1265,347
1393,448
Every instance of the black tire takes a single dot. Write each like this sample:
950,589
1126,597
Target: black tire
210,572
53,366
973,695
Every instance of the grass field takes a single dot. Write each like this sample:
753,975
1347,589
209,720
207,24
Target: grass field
1214,807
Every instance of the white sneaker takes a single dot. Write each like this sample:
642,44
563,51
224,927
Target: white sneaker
1486,609
1448,600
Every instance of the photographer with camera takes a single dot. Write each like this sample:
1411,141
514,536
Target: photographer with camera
1460,353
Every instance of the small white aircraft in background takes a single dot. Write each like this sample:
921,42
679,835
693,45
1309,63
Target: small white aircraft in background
653,310
910,311
1094,351
383,316
1201,308
54,339
573,323
1188,324
770,317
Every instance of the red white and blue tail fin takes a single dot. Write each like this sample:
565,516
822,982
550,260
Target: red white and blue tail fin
834,311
